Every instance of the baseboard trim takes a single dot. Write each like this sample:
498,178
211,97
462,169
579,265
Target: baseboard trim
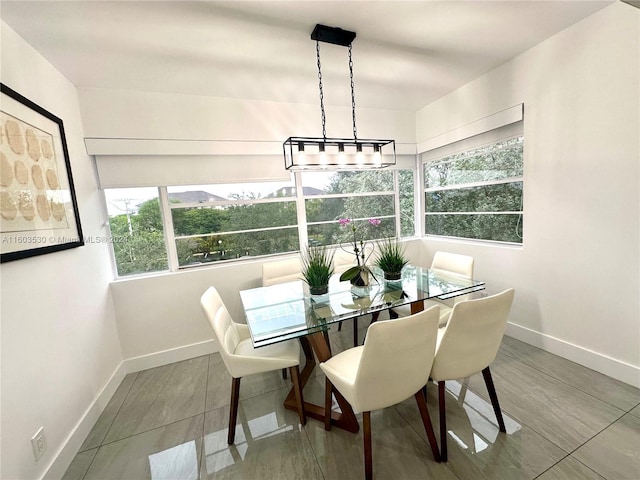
165,357
604,364
63,457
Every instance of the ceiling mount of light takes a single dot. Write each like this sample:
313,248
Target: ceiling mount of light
309,153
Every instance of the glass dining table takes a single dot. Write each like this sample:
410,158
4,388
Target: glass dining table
288,311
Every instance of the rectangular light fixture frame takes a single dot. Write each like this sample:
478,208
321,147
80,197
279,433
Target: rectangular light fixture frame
313,153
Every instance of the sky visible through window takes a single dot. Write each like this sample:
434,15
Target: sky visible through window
123,200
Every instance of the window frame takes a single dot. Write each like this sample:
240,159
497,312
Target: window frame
493,137
299,199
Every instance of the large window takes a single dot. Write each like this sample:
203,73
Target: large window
174,227
475,192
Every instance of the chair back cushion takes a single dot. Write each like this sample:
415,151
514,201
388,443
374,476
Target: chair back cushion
453,263
470,341
396,360
281,271
224,328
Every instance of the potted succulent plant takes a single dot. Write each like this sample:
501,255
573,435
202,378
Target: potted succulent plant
391,258
317,268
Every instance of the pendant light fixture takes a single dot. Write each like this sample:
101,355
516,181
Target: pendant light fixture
309,153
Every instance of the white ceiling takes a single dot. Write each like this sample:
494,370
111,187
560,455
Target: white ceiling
406,53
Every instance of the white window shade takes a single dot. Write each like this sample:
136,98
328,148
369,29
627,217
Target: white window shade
119,171
474,131
125,163
471,143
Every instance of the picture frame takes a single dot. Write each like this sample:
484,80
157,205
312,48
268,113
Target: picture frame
38,206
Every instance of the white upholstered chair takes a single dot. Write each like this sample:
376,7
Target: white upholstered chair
468,345
281,271
391,366
450,265
241,359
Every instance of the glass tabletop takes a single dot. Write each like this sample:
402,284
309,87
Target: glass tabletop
287,310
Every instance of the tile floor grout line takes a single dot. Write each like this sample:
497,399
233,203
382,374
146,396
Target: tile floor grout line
587,466
170,375
206,384
202,464
633,408
415,430
518,420
596,434
90,464
117,412
107,432
564,381
551,466
569,385
152,429
315,456
570,454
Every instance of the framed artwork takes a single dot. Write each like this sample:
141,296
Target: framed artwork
38,208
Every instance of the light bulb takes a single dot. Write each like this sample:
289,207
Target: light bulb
359,156
323,156
342,158
302,159
377,157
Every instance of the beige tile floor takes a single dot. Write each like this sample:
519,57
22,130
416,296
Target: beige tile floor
563,421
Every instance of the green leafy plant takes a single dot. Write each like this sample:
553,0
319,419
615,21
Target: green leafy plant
317,268
391,258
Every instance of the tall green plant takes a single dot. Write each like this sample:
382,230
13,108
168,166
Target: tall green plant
317,266
391,256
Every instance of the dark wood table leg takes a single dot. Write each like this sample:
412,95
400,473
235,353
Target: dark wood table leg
344,419
417,307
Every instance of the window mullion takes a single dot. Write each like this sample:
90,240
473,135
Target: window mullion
396,202
167,227
301,212
419,211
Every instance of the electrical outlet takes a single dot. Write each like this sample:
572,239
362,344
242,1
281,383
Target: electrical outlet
39,443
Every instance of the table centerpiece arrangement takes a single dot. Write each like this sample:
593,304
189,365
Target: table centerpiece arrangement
391,258
317,268
360,274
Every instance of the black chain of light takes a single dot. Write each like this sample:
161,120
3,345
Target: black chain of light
353,96
324,120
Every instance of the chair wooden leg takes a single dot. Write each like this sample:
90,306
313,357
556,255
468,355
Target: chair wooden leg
488,380
368,458
340,326
327,404
443,422
233,414
295,379
355,332
284,373
426,421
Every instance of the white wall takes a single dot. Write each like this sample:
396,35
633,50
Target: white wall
60,347
577,273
